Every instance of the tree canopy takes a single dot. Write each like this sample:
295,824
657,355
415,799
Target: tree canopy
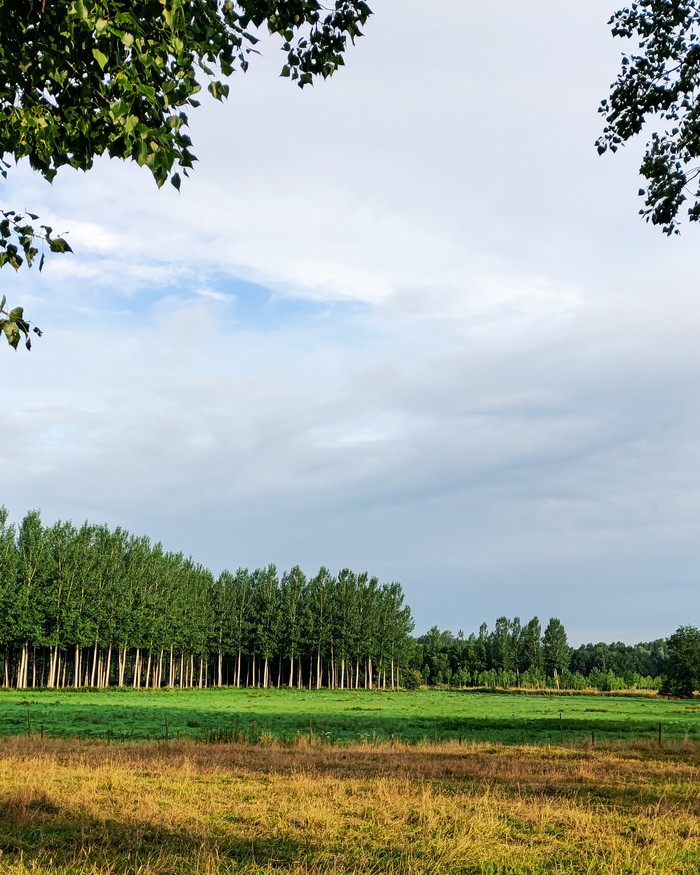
82,79
661,81
683,666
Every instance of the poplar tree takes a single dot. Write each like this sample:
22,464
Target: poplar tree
555,650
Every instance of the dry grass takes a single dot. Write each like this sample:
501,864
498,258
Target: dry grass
187,808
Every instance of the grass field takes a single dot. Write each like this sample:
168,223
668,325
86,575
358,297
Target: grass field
77,808
343,716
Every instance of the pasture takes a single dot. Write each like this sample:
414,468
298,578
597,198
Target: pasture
77,808
342,716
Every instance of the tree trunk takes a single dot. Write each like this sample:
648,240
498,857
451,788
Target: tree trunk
291,671
319,679
109,665
93,675
20,668
238,671
137,669
53,653
49,680
122,665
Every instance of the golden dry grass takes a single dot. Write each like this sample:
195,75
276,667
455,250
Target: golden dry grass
188,808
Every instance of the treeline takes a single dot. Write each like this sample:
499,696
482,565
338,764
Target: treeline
516,655
96,607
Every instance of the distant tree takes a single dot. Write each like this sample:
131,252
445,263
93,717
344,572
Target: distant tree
319,632
682,676
502,645
291,592
555,649
530,651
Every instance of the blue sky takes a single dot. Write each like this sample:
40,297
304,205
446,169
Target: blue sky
406,321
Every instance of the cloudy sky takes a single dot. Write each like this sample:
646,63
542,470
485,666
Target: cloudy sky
406,321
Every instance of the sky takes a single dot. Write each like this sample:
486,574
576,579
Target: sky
406,321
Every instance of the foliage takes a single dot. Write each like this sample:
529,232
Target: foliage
96,607
683,666
81,79
555,649
478,660
662,80
85,78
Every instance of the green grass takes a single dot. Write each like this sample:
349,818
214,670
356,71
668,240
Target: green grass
343,716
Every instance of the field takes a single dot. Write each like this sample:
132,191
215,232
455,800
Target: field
342,716
69,807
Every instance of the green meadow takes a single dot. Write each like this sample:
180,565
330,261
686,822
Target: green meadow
343,716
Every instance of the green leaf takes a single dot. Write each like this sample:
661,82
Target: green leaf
100,57
59,245
11,332
218,90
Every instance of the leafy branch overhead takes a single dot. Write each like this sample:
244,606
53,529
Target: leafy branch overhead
83,79
13,325
661,81
18,245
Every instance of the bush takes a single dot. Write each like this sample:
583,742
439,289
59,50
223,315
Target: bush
412,680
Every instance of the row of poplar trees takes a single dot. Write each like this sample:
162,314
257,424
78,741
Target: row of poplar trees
96,607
